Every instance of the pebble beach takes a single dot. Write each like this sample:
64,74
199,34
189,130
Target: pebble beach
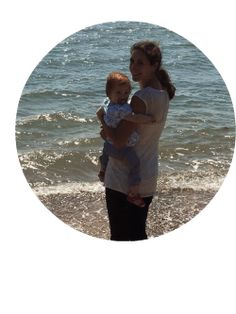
86,211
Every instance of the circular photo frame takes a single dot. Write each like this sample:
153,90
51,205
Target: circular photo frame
59,142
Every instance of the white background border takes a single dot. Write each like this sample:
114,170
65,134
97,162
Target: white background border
46,266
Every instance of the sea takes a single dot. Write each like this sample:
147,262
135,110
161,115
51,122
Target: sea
57,132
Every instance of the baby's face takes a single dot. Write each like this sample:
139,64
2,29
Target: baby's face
119,94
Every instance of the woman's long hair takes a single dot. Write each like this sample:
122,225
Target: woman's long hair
152,51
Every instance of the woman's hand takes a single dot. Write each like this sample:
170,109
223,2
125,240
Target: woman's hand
100,114
103,134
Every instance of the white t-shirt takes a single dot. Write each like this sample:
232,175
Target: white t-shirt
116,177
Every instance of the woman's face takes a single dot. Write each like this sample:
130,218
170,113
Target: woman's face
141,69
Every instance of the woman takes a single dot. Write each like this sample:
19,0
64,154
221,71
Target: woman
128,221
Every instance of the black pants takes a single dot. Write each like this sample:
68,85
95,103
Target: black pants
127,221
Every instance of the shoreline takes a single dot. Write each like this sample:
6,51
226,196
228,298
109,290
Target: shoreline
86,211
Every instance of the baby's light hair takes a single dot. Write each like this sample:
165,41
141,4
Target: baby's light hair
116,78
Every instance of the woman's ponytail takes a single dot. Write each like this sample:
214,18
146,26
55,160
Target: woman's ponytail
165,81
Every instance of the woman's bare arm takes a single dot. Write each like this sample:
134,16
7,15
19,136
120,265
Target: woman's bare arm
137,105
122,132
139,118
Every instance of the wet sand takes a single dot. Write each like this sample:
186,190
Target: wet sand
86,211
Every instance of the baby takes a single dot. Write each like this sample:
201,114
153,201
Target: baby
116,108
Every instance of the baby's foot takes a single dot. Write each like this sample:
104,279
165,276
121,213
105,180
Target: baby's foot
136,199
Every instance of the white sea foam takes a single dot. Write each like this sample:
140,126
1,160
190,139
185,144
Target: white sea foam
70,188
196,183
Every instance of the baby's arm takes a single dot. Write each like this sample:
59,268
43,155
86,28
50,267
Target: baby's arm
139,118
